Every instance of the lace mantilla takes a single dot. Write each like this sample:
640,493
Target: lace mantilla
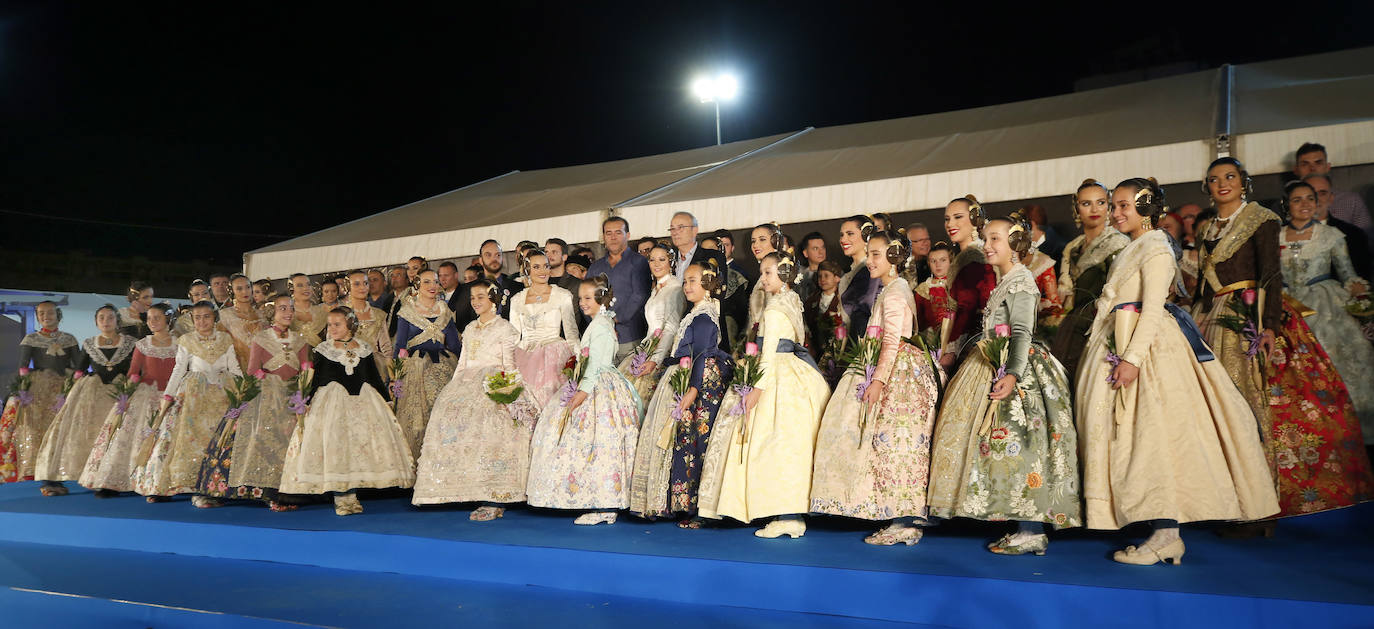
429,330
207,350
707,307
283,351
146,346
54,346
349,357
1018,280
789,304
122,351
1241,226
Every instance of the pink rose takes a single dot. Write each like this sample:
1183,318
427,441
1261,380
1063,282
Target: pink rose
841,333
1131,308
307,365
874,331
658,333
78,375
685,363
23,371
259,374
1248,296
751,349
403,353
1001,329
586,351
135,378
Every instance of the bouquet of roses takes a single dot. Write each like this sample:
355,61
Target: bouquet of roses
644,350
574,369
124,388
240,393
862,360
67,384
503,387
20,385
299,386
994,349
1244,320
396,373
748,373
1362,308
681,381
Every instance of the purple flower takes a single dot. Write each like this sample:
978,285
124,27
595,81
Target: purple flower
1114,360
742,390
862,387
122,403
1251,334
296,403
677,408
566,395
638,361
61,399
396,389
25,397
236,411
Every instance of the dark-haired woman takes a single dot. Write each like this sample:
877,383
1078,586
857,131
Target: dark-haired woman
67,444
140,296
857,290
763,240
371,320
1166,436
972,278
193,404
758,462
242,319
544,316
110,466
873,450
662,312
583,448
429,337
1005,446
198,291
48,356
676,430
1083,270
350,438
1240,279
1317,438
477,449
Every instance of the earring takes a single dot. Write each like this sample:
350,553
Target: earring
1077,220
1146,223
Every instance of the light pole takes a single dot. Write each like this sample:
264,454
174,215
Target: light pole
713,90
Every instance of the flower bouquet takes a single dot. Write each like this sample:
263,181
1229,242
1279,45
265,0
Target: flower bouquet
681,381
396,373
124,388
644,350
504,387
862,360
1244,320
240,393
67,384
573,370
748,372
20,385
299,386
994,349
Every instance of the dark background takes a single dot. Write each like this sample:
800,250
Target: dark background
223,128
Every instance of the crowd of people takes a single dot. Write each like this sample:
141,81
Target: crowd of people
1164,366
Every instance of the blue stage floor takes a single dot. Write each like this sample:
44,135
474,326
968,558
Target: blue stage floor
1318,571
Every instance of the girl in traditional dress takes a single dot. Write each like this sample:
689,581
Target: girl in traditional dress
873,450
584,448
1240,252
199,291
934,304
140,296
426,332
372,322
478,450
1083,270
1317,436
246,452
191,408
68,441
856,298
48,356
758,463
242,319
662,312
349,439
1008,454
309,321
973,278
124,434
676,431
543,315
1166,437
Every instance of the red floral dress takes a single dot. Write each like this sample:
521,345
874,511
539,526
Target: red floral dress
1318,448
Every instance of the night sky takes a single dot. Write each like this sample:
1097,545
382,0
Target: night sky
272,120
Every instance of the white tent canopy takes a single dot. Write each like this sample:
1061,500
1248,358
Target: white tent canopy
1168,128
569,202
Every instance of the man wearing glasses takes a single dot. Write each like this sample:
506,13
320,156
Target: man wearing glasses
918,270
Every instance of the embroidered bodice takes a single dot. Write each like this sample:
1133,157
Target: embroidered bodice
663,311
212,358
490,344
108,362
1322,257
540,323
59,353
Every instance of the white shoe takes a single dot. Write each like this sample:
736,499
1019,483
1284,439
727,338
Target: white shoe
779,527
596,517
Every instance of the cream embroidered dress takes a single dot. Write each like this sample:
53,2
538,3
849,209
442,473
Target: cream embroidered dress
242,329
476,449
123,437
1180,442
874,463
72,434
583,460
349,439
758,464
204,367
663,313
543,351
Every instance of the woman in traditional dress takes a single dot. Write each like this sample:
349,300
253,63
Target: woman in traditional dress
1083,270
476,449
1009,453
349,439
933,302
427,333
48,356
873,450
1317,436
140,296
584,448
330,295
662,312
125,432
191,408
1166,437
544,316
1240,252
1041,266
676,430
309,321
372,323
244,459
856,298
242,319
973,278
1318,272
199,291
68,441
758,462
763,240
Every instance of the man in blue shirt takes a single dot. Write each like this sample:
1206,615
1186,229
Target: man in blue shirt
629,274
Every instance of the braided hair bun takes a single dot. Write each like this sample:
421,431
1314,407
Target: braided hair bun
711,279
1149,196
898,247
976,214
602,291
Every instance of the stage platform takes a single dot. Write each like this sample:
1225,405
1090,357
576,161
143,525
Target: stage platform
168,564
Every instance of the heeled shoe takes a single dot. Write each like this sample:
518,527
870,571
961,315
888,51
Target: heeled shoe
896,534
206,502
596,517
347,504
1036,544
1146,556
778,528
486,514
54,489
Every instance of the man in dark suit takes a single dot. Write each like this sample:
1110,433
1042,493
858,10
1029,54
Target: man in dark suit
1355,240
508,285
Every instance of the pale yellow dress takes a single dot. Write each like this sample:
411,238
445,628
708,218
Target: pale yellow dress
758,464
1180,442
